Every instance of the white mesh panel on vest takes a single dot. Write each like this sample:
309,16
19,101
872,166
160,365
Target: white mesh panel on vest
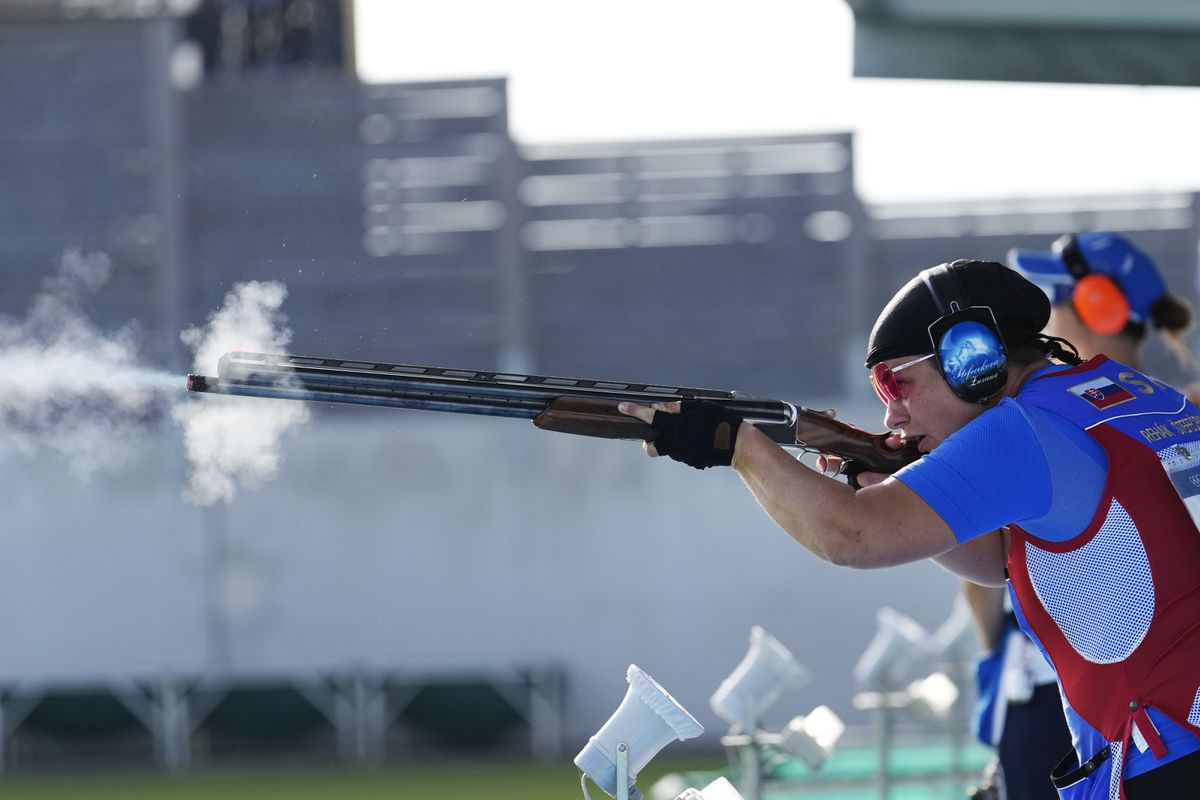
1118,766
1101,595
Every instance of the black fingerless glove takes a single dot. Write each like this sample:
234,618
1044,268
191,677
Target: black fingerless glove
702,434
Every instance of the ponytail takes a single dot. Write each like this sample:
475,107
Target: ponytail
1039,346
1172,317
1059,349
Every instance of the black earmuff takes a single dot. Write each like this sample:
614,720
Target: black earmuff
1097,299
966,339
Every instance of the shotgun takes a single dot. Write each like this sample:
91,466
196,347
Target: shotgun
565,405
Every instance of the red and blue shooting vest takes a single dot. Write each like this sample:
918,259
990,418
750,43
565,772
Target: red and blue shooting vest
1117,606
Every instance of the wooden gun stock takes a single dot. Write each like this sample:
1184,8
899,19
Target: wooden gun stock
814,432
867,452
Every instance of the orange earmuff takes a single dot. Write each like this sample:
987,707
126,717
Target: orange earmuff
1100,304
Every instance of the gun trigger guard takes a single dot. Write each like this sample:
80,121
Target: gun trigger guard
852,469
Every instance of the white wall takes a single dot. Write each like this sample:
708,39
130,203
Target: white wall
428,541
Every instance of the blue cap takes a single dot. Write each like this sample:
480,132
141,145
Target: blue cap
1105,254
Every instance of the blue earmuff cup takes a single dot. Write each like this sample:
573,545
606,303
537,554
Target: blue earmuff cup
973,359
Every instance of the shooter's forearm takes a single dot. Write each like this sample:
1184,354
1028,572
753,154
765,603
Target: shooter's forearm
979,561
878,526
987,612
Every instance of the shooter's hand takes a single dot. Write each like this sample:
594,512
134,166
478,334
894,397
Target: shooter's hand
827,465
693,432
832,465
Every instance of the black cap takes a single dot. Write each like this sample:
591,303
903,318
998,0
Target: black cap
902,329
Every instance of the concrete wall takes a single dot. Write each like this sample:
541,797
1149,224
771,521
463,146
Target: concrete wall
411,541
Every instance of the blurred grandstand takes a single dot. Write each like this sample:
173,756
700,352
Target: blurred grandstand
412,585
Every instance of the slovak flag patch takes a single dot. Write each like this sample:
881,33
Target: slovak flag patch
1102,392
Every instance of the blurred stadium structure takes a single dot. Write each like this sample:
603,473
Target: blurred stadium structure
409,581
1152,43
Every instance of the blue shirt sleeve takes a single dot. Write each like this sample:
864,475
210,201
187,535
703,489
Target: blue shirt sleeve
989,473
1014,463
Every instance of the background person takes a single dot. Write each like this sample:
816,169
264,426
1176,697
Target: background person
1106,296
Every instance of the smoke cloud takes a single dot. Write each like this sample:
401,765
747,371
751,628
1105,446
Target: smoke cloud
69,388
235,441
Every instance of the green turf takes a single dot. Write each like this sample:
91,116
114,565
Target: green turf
850,763
847,776
919,772
486,782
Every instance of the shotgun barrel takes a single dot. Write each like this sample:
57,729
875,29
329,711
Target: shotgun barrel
568,405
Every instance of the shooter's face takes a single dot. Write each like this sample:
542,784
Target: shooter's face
927,411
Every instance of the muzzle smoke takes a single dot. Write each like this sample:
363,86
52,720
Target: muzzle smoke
68,388
231,441
71,389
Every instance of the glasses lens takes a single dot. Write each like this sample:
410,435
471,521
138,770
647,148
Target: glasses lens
884,381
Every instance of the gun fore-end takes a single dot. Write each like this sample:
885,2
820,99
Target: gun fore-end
592,417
